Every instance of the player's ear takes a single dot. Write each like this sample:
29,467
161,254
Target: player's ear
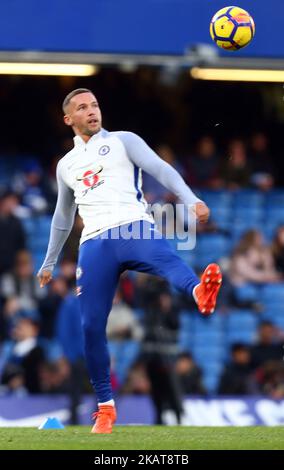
67,119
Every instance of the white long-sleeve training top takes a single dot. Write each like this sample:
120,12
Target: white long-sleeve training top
103,177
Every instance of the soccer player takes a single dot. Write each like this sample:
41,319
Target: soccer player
102,176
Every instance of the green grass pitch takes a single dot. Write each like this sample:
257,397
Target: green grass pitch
144,438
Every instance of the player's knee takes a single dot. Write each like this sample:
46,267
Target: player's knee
94,329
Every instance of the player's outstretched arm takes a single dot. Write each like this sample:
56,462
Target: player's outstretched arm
144,157
60,229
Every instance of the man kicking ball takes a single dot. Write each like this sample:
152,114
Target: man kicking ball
102,176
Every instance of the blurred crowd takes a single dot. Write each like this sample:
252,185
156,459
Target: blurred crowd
225,140
41,348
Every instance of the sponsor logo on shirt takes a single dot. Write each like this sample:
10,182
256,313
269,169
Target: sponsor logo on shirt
91,179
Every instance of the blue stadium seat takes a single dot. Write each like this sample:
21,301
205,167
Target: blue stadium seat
211,382
275,198
210,248
124,354
241,326
216,198
185,335
29,226
278,320
248,198
269,230
247,293
213,242
38,243
273,307
210,338
5,174
205,353
241,317
241,336
185,340
275,215
239,228
211,374
220,212
186,320
275,315
221,216
211,323
273,304
272,292
43,223
38,260
244,214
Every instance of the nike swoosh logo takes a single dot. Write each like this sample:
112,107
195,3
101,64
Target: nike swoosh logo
95,172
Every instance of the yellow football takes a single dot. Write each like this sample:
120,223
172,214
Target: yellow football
232,28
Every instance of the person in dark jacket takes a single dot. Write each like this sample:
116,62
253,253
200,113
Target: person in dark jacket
236,377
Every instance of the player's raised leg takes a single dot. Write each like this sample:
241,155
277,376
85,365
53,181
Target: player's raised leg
97,277
156,256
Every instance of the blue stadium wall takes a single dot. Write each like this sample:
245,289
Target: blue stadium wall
140,26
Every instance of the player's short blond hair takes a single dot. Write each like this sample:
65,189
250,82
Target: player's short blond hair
70,95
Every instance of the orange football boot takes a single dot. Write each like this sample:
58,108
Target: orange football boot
207,291
105,417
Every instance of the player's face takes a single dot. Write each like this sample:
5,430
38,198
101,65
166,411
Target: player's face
84,115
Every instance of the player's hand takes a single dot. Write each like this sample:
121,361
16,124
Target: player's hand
202,212
44,277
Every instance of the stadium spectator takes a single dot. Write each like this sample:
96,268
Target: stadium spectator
49,306
189,375
13,381
67,270
126,287
236,378
252,261
270,379
24,349
137,381
10,312
268,347
278,250
160,350
14,239
122,324
124,333
261,162
33,188
204,165
235,170
54,376
21,283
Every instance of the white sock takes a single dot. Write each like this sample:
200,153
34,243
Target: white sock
110,403
193,293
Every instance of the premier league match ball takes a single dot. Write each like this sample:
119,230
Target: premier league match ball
232,28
